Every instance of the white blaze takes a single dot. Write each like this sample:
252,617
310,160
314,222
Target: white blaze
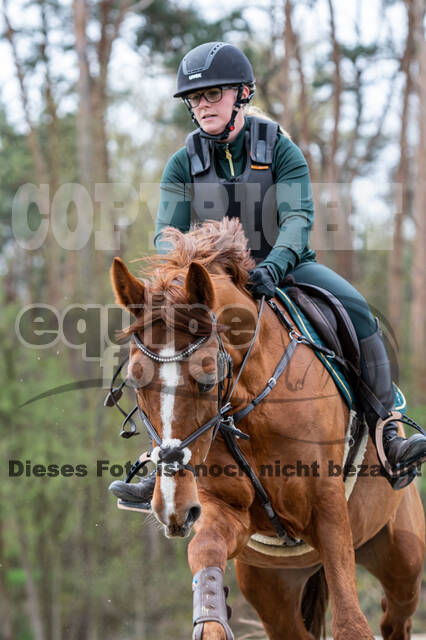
169,374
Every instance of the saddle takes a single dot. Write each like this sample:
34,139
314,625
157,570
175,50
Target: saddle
331,321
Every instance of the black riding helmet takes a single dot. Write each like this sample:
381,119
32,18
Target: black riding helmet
215,64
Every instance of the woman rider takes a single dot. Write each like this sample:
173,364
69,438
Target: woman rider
200,181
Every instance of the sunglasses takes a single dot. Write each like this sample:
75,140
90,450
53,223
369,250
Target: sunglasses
211,95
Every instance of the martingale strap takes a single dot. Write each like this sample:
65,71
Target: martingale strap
246,357
260,491
279,370
230,440
295,339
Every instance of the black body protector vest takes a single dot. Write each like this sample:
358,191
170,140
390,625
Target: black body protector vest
251,197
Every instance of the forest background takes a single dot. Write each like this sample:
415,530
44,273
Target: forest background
86,101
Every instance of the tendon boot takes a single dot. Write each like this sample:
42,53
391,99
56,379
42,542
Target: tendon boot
138,495
403,456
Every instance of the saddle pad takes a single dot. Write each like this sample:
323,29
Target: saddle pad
332,367
305,327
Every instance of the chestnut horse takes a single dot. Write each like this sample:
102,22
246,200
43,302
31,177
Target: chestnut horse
198,290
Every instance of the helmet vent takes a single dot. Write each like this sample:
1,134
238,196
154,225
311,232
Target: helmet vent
200,58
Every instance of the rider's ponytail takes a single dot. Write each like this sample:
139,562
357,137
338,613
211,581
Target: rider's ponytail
251,110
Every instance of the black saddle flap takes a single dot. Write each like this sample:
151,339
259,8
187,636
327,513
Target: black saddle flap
329,318
323,321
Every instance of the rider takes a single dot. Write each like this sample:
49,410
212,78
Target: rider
215,80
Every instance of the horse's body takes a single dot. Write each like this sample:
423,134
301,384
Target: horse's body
303,419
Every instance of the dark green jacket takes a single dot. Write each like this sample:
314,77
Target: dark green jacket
294,199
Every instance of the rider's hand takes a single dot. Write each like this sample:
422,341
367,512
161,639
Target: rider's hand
261,283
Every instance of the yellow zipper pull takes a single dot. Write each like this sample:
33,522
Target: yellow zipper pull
229,158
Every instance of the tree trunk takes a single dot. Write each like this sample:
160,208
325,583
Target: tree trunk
84,85
304,126
111,18
286,119
340,228
41,175
52,253
82,269
40,168
418,273
396,266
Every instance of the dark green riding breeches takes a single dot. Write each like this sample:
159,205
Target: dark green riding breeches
354,303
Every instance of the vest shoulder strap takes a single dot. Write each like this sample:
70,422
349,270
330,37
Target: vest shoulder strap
263,136
198,150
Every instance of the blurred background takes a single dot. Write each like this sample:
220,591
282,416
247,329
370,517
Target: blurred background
87,119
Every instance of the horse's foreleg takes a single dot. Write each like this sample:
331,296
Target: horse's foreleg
333,538
221,533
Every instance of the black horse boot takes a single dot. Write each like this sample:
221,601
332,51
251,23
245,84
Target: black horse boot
403,455
139,494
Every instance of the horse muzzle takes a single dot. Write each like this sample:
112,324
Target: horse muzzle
173,529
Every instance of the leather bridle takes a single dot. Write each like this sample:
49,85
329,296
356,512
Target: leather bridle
219,421
225,368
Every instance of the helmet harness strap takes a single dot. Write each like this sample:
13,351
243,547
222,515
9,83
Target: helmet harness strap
239,102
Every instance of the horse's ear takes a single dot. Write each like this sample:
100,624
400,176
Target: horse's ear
199,286
129,291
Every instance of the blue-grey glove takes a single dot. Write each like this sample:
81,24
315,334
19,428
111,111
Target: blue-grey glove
261,283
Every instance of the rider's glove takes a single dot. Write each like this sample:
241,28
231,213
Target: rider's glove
261,283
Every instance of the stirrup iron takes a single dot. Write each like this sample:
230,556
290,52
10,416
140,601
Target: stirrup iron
395,416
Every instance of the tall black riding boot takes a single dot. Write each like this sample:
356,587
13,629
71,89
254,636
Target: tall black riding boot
139,494
403,455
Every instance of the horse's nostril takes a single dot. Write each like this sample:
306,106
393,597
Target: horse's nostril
194,513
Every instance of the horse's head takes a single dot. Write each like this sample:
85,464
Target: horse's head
189,328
